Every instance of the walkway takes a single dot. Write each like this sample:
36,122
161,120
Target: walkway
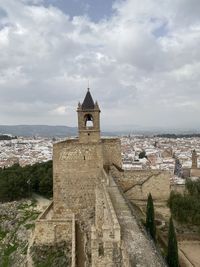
140,250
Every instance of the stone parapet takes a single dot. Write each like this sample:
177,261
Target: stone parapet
137,184
106,233
49,230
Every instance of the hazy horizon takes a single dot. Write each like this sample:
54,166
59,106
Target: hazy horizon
130,130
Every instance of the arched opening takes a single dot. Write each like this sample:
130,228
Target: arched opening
88,121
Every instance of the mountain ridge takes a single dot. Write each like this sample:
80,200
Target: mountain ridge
38,130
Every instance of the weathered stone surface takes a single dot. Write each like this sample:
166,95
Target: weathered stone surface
137,184
107,233
139,249
77,168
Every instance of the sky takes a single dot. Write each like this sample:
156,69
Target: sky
141,58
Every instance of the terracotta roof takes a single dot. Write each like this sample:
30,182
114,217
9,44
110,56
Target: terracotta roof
88,102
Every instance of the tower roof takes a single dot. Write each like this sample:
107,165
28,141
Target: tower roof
88,102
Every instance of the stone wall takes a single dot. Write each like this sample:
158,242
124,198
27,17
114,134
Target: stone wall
112,151
178,188
138,184
76,168
50,231
89,136
106,236
195,172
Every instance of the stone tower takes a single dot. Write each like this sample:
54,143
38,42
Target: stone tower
78,163
194,159
88,213
88,120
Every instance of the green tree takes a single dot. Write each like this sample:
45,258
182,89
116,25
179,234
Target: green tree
18,182
150,221
172,250
142,155
185,208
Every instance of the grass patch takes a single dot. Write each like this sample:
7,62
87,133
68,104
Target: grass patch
35,215
6,254
29,226
2,234
4,217
29,215
24,248
52,255
25,205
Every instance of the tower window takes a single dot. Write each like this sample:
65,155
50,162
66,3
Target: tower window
89,121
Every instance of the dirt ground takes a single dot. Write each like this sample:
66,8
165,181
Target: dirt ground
191,250
42,203
164,211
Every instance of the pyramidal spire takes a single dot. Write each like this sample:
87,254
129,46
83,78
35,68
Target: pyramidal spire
88,102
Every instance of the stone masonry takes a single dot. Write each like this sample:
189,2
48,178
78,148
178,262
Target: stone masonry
83,184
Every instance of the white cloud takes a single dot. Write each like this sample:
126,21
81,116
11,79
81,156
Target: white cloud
142,63
59,110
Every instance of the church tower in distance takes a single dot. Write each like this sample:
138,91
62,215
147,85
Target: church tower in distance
88,120
194,159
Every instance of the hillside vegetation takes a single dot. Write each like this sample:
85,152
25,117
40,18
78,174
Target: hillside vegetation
18,182
7,137
17,220
186,208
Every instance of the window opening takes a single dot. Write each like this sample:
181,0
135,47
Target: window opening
89,121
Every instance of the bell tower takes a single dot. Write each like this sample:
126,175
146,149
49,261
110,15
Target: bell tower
88,120
194,159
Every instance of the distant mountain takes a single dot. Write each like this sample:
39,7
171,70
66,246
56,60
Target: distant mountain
38,130
64,131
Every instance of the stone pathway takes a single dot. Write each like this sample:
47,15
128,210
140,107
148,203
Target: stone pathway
42,202
139,248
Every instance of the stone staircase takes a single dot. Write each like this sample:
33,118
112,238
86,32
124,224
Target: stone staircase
140,250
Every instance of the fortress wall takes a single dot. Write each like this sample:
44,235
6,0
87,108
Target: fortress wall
49,230
106,220
111,151
137,184
195,172
76,168
52,231
85,138
106,233
178,188
157,183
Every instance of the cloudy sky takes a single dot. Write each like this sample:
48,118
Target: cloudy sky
142,59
